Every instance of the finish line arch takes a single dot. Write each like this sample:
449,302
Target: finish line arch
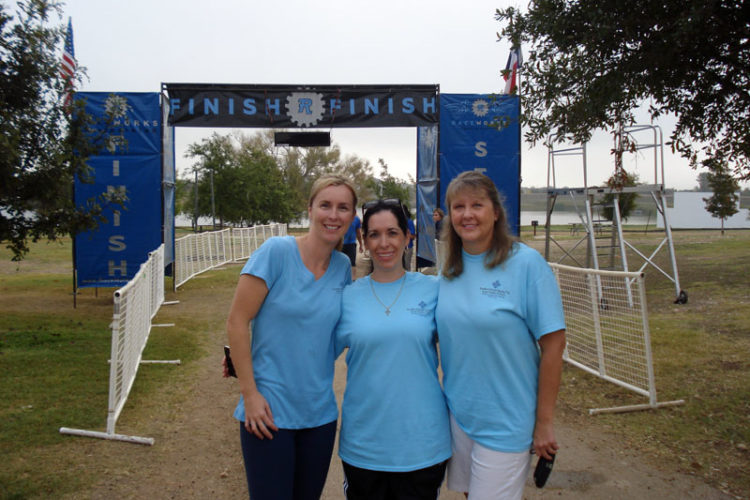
455,132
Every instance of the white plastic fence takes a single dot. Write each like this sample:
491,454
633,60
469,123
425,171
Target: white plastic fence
135,305
245,240
607,329
197,253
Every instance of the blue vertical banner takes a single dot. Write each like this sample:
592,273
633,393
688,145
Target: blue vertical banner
483,133
111,255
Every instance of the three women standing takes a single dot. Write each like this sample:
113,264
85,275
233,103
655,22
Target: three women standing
501,329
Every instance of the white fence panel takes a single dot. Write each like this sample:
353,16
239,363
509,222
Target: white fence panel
607,329
197,253
135,305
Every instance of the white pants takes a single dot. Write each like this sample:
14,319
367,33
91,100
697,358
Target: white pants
486,474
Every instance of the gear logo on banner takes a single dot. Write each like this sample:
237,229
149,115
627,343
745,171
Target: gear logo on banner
305,108
480,107
116,106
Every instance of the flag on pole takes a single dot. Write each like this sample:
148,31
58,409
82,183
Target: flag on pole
511,69
68,67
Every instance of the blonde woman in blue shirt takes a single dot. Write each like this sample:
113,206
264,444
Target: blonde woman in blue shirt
289,292
502,335
395,434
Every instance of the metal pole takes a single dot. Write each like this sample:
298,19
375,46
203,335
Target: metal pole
520,142
195,210
213,204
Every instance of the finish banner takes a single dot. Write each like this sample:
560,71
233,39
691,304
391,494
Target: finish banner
303,106
111,255
482,132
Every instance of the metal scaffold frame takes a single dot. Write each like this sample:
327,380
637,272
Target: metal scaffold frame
594,227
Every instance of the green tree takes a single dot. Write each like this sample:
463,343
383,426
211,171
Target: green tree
214,158
359,172
591,65
387,186
237,183
301,166
184,189
723,203
44,145
703,185
626,202
623,143
267,196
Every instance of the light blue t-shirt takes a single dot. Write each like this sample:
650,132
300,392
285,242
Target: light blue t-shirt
292,334
394,417
489,322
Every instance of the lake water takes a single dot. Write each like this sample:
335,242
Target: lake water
563,218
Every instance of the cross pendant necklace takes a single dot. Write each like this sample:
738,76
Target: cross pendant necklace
387,307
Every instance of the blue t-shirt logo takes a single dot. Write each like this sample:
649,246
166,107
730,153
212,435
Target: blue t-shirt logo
421,310
496,292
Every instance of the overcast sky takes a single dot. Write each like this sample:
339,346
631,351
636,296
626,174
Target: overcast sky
136,45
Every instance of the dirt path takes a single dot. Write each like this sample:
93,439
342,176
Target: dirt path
197,454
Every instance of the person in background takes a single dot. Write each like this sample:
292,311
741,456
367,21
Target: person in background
289,294
411,237
502,334
437,218
395,431
352,236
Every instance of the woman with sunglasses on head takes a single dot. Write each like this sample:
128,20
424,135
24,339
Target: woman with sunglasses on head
289,293
502,334
395,434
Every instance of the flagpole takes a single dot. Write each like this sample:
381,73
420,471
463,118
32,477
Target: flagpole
520,137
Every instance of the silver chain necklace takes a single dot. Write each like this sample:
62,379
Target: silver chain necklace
387,308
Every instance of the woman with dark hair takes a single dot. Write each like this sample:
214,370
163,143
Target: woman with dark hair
395,433
502,334
289,293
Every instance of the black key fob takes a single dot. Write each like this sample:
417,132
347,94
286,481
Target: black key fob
230,365
543,470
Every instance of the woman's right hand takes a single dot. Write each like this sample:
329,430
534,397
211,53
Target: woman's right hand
258,416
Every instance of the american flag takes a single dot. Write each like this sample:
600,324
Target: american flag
68,67
511,69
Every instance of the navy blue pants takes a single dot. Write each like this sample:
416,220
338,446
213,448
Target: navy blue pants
291,466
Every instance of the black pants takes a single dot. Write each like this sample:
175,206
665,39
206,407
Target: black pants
350,249
420,484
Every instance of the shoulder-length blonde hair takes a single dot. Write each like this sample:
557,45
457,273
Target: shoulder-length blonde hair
329,180
502,240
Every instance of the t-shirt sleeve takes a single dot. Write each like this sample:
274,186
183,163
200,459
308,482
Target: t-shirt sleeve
544,303
341,334
267,261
